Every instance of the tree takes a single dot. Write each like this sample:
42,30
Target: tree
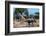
37,15
31,15
26,12
19,10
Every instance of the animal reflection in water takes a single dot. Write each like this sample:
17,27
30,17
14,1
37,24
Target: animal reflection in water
21,21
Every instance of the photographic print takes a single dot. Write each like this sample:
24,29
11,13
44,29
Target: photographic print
24,17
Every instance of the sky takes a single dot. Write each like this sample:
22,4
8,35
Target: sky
32,10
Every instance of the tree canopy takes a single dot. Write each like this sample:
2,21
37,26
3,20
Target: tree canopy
19,10
37,15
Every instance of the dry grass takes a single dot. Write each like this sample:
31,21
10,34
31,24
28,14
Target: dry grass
25,24
37,23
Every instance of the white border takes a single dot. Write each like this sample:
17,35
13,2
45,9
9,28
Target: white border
12,6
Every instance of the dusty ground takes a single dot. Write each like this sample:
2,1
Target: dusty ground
25,24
